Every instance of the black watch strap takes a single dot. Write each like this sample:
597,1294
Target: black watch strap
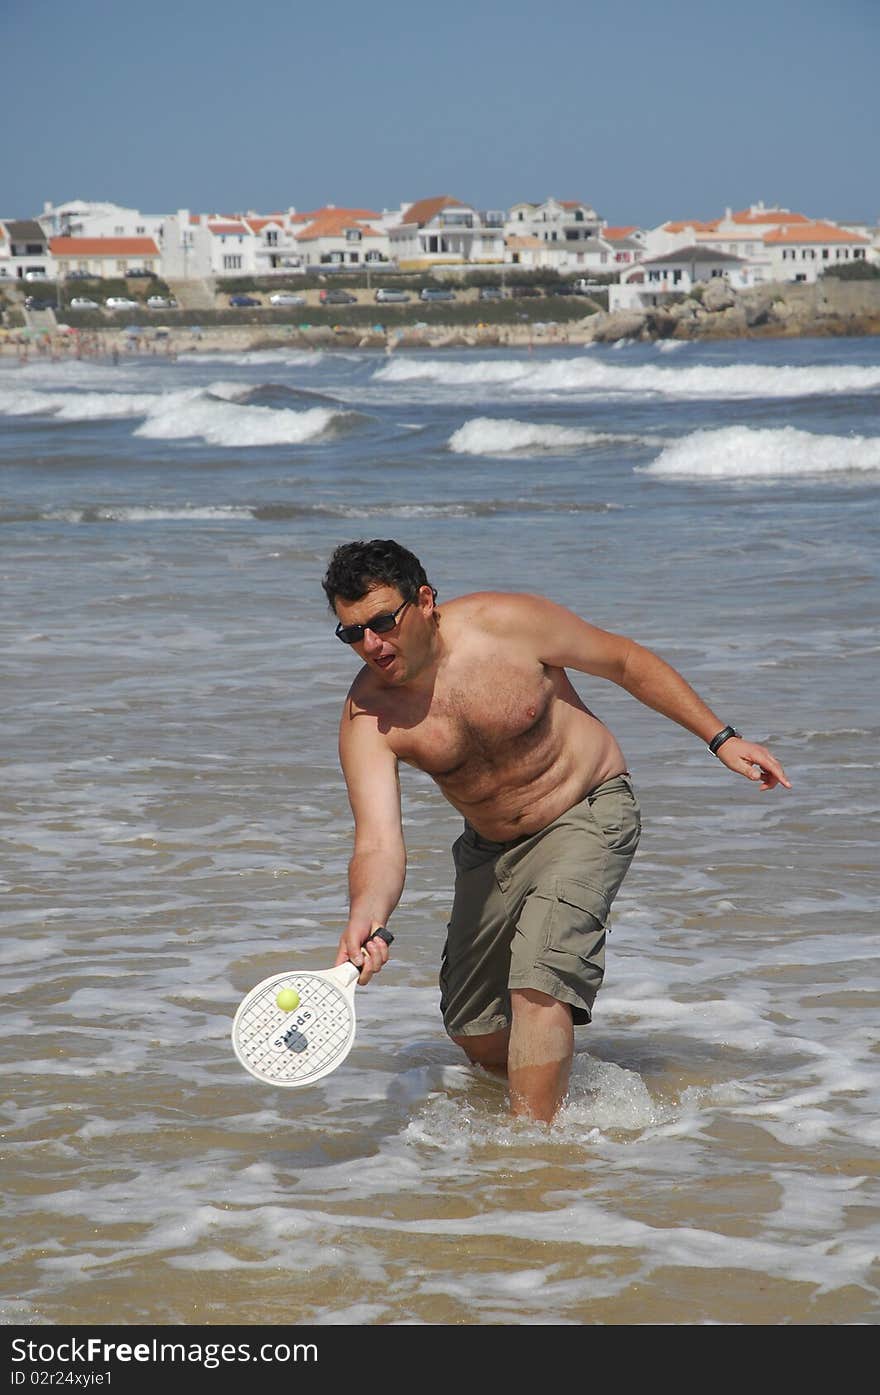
720,739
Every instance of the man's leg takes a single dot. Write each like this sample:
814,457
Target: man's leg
540,1054
489,1050
535,1053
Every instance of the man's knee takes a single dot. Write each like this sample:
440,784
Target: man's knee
542,1029
488,1050
531,1003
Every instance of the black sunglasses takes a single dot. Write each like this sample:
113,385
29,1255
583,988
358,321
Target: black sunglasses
380,625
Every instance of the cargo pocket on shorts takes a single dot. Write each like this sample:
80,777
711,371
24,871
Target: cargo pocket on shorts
574,943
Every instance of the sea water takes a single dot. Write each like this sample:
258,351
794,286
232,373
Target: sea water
176,828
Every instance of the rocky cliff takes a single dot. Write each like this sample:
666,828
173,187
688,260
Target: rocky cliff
781,309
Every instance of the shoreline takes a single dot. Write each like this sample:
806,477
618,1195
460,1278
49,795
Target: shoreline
779,311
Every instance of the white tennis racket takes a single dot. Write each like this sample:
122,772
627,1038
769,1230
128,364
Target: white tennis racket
299,1047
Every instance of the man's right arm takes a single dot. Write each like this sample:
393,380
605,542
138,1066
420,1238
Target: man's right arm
377,867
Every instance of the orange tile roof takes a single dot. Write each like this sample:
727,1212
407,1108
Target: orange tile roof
694,223
103,247
334,224
425,209
227,228
355,213
769,215
614,234
747,234
813,232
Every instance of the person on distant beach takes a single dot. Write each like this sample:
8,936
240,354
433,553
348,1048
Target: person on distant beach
475,692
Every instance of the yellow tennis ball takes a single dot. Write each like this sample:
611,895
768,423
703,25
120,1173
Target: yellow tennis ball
287,999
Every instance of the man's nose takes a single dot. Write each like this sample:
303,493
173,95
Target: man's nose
372,642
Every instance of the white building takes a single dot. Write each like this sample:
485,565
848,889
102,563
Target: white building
82,218
337,237
627,243
23,249
805,251
675,273
776,243
568,231
444,231
105,256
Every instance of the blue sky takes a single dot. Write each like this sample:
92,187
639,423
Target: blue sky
646,111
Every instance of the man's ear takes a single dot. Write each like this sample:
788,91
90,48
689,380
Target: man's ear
423,593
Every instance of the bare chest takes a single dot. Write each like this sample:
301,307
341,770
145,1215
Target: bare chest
479,720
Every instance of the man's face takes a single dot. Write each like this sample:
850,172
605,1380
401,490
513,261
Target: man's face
396,654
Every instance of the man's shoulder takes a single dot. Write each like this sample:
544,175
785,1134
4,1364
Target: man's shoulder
495,609
364,691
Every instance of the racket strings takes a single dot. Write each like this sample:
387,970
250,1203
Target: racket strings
305,1050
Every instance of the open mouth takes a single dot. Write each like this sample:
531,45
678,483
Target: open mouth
384,661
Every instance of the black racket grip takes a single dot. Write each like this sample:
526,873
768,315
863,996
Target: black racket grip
382,934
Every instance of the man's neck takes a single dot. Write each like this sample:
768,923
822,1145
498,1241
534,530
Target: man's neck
424,680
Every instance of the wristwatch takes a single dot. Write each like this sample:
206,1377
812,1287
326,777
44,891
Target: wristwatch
720,739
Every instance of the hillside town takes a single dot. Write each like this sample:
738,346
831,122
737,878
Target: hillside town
747,247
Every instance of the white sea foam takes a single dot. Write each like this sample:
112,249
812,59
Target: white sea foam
292,358
736,452
595,376
79,406
492,436
229,424
213,413
133,514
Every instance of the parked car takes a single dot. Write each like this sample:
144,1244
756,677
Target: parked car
491,293
36,274
32,303
82,302
161,302
286,298
83,276
139,271
120,302
387,296
524,292
244,301
337,298
435,293
583,287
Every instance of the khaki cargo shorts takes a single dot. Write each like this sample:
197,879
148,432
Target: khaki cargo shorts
532,913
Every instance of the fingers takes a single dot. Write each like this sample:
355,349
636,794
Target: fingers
374,956
756,763
366,950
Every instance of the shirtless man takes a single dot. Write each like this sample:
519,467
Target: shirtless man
476,694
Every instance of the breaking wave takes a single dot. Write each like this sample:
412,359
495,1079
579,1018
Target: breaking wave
740,452
219,414
493,436
590,374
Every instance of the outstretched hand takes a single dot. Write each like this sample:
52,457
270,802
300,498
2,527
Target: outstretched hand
754,762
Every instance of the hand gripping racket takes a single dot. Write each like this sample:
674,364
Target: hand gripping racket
298,1047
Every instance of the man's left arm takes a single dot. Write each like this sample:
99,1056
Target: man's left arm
657,684
564,640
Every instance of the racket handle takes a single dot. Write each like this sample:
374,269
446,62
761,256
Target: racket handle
382,934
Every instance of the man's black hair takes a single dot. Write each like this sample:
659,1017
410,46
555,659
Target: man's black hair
358,567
